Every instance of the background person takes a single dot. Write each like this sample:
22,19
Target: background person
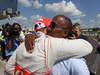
17,32
9,42
89,60
95,67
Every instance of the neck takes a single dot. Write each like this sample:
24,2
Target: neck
57,33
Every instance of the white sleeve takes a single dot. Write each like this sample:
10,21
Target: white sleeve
0,33
22,36
72,48
10,66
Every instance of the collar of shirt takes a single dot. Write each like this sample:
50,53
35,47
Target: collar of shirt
42,36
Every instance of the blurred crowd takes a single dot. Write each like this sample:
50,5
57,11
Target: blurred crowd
13,39
10,38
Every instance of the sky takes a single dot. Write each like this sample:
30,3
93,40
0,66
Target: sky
85,12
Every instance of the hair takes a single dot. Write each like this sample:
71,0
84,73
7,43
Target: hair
14,24
76,24
60,26
7,28
16,31
0,29
30,41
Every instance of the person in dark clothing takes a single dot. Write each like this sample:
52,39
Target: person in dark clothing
90,61
6,30
9,42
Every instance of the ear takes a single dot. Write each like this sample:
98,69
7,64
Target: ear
49,30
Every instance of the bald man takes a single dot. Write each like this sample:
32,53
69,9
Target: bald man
72,66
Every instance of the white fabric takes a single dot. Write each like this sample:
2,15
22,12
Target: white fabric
71,67
22,36
57,49
39,33
0,33
41,25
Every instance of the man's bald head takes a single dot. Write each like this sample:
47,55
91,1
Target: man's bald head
62,21
60,26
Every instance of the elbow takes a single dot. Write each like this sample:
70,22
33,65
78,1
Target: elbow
86,48
89,49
